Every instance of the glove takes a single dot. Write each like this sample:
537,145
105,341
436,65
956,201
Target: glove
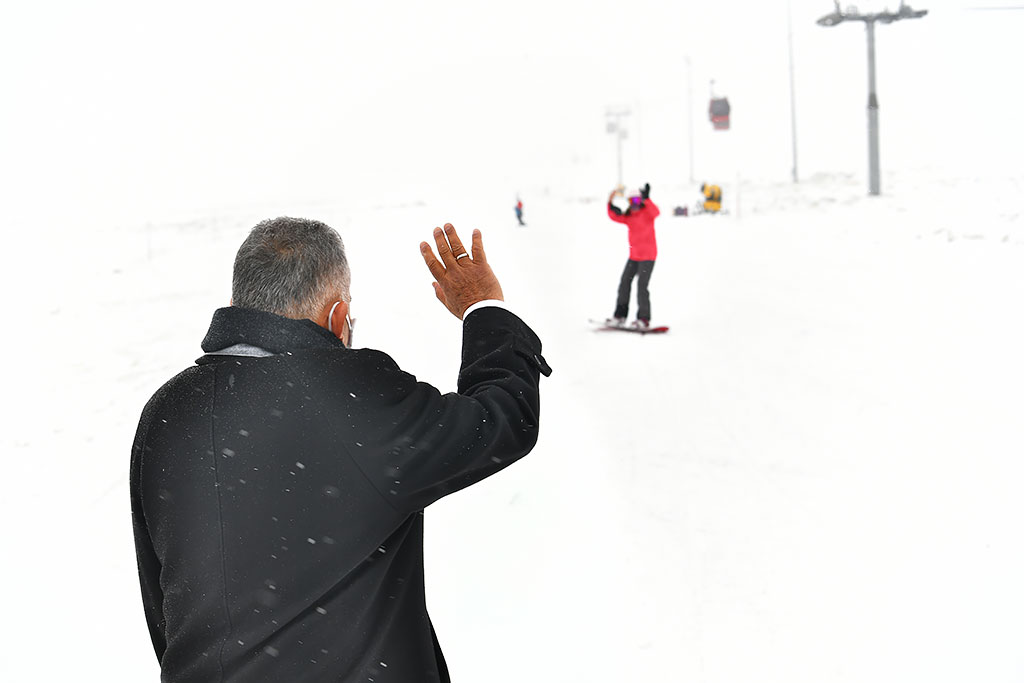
645,191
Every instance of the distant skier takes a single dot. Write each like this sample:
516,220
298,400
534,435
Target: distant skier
643,249
519,211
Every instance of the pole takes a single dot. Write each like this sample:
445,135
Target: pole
639,127
618,138
689,110
614,123
874,186
792,85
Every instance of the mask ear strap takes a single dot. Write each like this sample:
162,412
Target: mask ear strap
330,317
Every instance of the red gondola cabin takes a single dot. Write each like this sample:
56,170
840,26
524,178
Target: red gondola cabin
718,112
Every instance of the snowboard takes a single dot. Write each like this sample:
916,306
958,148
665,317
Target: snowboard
602,326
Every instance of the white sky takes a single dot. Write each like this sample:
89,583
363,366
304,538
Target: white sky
125,111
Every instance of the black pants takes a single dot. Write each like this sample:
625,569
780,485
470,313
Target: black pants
643,297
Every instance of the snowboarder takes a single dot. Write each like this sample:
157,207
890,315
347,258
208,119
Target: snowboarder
643,249
519,211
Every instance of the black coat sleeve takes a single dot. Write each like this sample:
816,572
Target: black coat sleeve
428,445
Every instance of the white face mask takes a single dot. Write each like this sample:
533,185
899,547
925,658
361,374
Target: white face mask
330,323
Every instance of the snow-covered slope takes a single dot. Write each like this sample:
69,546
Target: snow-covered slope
813,476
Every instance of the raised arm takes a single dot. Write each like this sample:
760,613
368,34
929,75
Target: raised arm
615,213
433,444
645,195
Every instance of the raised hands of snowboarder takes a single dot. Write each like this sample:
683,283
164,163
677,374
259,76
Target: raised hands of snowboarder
645,191
617,192
460,279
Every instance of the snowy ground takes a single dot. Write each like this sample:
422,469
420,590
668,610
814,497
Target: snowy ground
813,477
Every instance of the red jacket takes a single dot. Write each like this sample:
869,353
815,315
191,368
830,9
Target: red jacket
642,245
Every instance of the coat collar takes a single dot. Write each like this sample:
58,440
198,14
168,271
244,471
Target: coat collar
277,334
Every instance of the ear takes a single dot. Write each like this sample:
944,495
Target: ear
335,322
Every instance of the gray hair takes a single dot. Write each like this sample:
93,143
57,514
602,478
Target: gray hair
290,266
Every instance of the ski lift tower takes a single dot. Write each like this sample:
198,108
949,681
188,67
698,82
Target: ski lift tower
613,124
885,17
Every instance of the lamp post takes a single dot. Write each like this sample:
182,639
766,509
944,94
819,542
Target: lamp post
689,110
613,125
885,17
792,85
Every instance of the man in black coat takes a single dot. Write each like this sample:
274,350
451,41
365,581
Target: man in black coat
278,485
